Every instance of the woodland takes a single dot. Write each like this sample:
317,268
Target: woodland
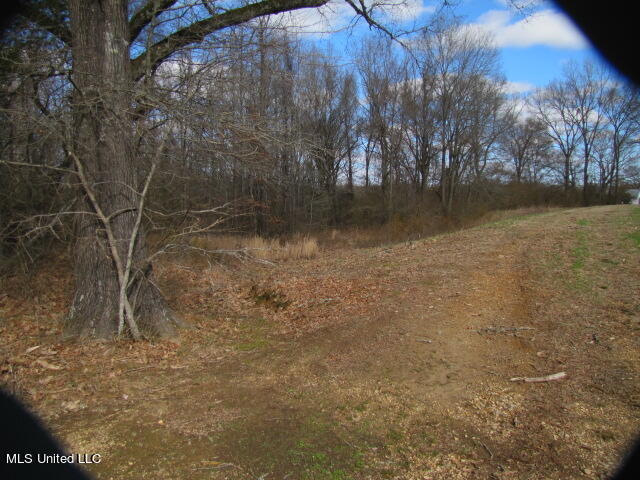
131,128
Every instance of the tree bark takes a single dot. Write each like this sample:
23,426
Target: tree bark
102,142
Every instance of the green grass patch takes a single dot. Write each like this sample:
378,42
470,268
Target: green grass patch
304,446
580,252
635,238
254,345
583,222
507,222
634,220
317,462
254,332
319,455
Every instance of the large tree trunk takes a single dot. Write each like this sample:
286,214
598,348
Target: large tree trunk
102,142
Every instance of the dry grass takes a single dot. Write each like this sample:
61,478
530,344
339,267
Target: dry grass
402,229
270,249
501,215
224,248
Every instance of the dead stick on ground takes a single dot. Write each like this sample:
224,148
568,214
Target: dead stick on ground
487,449
138,368
501,329
548,378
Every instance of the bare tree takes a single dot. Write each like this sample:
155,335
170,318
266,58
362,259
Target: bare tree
103,36
381,75
461,63
585,86
621,107
329,103
418,110
524,144
552,108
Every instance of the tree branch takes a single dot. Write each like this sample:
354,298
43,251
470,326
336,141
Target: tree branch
197,31
143,17
365,13
54,26
124,305
132,240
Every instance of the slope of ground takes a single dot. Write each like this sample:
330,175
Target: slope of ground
365,364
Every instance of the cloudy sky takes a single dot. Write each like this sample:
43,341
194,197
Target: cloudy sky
534,45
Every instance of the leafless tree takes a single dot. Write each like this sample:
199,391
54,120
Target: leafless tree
525,145
463,65
585,86
620,106
116,47
329,106
552,108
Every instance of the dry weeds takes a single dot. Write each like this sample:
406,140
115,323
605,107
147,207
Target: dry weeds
273,249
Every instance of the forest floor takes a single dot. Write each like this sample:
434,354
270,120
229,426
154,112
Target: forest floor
380,363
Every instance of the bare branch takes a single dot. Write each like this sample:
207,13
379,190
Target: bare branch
365,13
145,15
125,305
197,31
54,26
134,236
36,165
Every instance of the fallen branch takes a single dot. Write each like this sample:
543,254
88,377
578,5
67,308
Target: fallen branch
500,329
215,466
548,378
487,449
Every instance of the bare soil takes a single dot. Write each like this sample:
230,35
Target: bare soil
392,362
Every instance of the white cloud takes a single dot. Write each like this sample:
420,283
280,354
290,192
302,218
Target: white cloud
321,21
407,10
521,108
521,4
546,27
337,15
518,87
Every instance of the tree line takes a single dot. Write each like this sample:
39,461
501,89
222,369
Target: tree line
192,120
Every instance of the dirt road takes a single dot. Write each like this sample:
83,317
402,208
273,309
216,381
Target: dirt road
380,363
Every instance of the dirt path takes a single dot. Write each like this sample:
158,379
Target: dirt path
393,363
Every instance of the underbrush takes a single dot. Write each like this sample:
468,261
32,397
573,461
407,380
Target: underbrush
410,228
269,249
231,248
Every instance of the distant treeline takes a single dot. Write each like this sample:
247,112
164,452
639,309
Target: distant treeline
270,135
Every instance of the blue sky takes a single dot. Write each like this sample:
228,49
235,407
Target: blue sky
534,46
